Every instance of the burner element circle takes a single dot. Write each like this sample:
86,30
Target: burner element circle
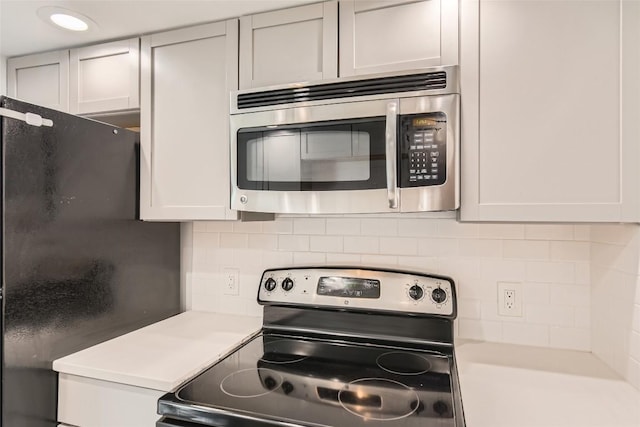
378,399
251,382
403,363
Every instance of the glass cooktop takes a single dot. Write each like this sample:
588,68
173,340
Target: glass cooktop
312,382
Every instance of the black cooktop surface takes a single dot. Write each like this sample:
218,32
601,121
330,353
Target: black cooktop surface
312,382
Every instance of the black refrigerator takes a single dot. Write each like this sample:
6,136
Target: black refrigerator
78,268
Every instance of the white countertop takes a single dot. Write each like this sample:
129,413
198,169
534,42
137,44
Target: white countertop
506,385
163,355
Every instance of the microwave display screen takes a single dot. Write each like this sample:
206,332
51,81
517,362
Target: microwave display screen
335,155
349,287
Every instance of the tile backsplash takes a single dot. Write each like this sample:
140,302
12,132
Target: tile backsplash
615,292
552,262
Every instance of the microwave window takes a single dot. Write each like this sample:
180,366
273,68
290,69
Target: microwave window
312,157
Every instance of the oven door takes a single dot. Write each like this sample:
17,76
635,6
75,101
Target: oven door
333,158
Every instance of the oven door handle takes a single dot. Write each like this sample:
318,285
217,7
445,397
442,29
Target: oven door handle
391,136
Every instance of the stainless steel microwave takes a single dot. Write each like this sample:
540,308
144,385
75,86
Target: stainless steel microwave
385,143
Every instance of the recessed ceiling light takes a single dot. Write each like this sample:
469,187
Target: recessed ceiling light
69,22
66,19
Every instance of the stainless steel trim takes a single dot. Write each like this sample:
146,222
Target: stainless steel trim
453,86
391,153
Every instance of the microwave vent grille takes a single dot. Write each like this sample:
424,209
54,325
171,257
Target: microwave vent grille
407,83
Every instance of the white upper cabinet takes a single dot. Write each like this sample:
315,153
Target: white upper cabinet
41,79
105,77
185,82
289,45
383,36
550,106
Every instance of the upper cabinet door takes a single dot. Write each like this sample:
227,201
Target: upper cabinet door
186,78
550,100
289,45
105,77
396,35
41,79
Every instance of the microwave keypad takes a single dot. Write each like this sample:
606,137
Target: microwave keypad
423,155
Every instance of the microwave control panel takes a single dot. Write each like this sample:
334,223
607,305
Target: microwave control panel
423,153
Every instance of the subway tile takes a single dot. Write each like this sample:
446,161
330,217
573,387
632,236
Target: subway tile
485,248
535,293
476,289
293,243
379,227
501,231
309,226
582,317
480,330
582,232
273,259
570,338
469,308
526,334
616,234
362,245
550,272
398,245
222,256
199,226
438,247
326,243
453,228
418,263
219,226
504,270
570,251
583,273
574,295
416,227
553,315
633,372
247,227
343,259
268,242
489,311
309,258
343,226
279,226
202,242
233,240
548,232
634,345
379,260
526,249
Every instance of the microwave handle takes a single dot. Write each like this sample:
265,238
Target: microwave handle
391,154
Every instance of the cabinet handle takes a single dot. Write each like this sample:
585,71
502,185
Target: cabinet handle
391,153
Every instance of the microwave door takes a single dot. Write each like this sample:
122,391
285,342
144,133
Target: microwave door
334,158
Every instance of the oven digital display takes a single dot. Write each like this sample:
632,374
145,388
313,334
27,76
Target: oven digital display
351,287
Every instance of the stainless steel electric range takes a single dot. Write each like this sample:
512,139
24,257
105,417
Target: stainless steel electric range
338,347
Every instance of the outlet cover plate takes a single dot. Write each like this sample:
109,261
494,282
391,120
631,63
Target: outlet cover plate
510,299
231,281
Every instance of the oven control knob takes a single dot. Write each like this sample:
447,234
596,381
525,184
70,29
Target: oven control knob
287,284
416,292
270,284
439,295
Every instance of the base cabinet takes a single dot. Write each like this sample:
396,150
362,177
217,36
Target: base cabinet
550,105
87,402
186,78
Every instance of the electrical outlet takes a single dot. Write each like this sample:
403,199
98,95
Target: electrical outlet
231,281
510,299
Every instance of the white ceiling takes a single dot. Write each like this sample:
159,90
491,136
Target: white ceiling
23,32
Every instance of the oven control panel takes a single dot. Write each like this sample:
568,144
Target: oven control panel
359,289
423,153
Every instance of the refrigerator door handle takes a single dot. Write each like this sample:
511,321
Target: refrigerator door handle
30,118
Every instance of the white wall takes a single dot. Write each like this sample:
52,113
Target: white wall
3,75
552,262
615,292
